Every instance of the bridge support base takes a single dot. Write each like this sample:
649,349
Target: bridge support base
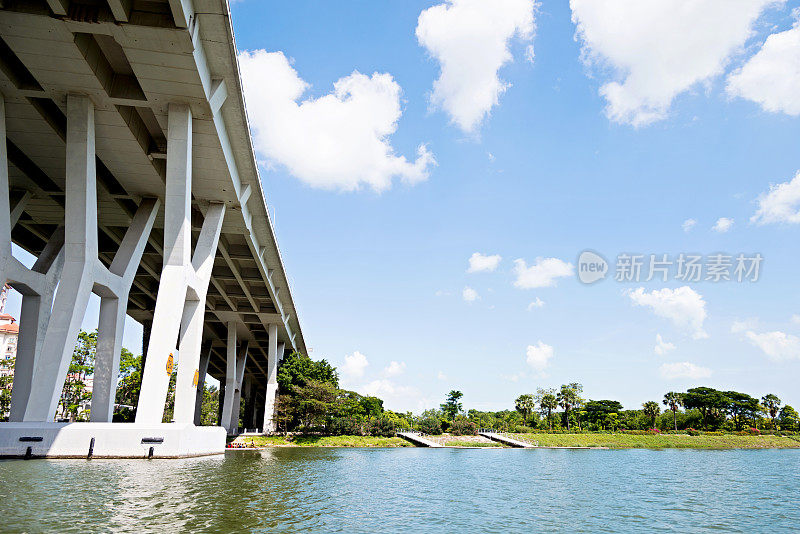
109,440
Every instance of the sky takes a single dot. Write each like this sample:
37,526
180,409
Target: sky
436,168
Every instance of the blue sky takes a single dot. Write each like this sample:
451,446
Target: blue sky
557,127
547,173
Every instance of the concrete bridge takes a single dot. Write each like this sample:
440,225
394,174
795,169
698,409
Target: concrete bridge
127,169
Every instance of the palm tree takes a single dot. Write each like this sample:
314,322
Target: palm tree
525,404
651,409
673,401
547,402
773,404
569,397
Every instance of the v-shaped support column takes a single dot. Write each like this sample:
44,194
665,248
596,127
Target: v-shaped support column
83,272
37,285
180,305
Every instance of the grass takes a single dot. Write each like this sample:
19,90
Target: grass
460,443
660,441
610,440
324,441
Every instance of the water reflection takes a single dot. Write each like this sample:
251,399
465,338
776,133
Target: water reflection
371,490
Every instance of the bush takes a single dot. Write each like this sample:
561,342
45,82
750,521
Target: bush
381,426
345,426
430,425
692,432
463,428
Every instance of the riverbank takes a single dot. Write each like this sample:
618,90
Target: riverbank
321,441
661,441
609,440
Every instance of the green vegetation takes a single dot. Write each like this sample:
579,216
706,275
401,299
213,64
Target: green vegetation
641,440
322,441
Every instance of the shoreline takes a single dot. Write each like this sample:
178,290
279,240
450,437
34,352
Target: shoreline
611,441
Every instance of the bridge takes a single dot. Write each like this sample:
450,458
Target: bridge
127,170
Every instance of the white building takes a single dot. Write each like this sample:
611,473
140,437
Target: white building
9,331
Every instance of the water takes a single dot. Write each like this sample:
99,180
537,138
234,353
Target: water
410,490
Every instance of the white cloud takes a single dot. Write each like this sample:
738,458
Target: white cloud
772,76
538,303
781,204
441,376
394,368
337,141
469,294
660,48
673,371
354,365
470,40
688,224
662,347
722,225
478,262
683,306
776,345
538,357
544,273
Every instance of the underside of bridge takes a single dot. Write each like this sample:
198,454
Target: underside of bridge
129,172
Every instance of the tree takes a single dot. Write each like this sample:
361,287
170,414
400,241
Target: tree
673,401
547,400
130,379
773,405
297,369
314,401
525,405
598,411
651,409
74,394
708,401
209,408
452,407
5,388
569,397
740,406
789,418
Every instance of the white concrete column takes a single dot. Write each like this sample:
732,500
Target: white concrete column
113,307
241,361
81,255
205,356
175,275
194,314
37,301
272,379
230,376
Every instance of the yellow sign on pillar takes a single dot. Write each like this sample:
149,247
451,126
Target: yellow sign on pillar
196,379
170,364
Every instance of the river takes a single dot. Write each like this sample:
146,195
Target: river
410,490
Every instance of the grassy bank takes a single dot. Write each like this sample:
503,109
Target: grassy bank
612,441
660,441
323,441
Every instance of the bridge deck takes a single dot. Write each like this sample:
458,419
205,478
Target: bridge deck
500,438
418,440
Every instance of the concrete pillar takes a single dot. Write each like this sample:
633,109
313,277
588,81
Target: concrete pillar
205,356
173,285
230,376
180,305
36,285
241,361
37,301
114,290
248,393
272,379
81,256
194,314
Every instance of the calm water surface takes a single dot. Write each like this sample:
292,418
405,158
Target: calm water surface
411,490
